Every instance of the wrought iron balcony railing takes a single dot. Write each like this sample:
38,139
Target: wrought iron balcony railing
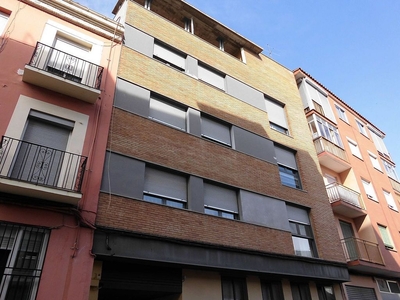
67,66
41,165
337,192
357,249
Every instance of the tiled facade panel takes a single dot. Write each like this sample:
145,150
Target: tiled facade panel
158,220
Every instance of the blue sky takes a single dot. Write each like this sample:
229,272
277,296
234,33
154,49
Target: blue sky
351,47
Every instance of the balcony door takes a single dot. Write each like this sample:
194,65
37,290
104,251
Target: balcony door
40,154
68,59
349,240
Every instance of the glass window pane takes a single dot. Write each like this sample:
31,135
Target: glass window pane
302,246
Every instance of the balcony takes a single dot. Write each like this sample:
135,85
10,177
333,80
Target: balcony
330,155
42,172
395,184
360,253
345,201
64,73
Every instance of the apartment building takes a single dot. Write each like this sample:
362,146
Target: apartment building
58,63
211,186
363,189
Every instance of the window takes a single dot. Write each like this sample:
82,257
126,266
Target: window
167,113
302,236
272,290
387,240
3,21
216,130
374,161
169,56
276,115
22,251
390,170
287,167
234,288
342,113
388,286
300,291
358,292
378,141
212,77
147,4
41,154
220,201
390,200
325,292
369,190
320,127
361,128
165,188
70,61
354,148
188,24
319,98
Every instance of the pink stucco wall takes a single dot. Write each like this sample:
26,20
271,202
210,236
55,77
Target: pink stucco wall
68,262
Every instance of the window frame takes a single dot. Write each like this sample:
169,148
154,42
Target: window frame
298,216
231,213
178,109
375,161
219,123
276,115
323,293
14,257
204,69
151,196
390,200
170,52
5,16
354,149
272,290
235,283
369,188
362,128
386,237
341,113
390,170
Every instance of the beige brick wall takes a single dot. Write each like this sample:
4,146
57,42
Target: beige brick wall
149,141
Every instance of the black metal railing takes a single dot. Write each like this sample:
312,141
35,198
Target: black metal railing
357,249
22,250
41,165
65,65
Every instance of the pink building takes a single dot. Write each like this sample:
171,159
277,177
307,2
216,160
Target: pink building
58,63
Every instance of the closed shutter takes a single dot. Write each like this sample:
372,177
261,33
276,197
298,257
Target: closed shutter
286,157
167,113
360,293
41,154
214,130
169,56
166,184
220,197
212,77
276,113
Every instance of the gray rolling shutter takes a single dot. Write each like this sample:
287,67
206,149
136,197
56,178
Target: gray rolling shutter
220,197
360,293
166,184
